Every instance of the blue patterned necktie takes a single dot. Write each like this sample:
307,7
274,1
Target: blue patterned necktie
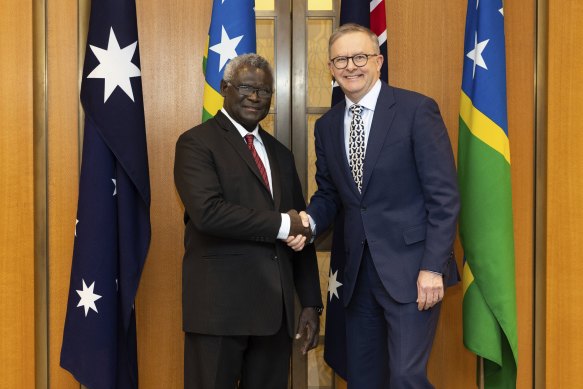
356,147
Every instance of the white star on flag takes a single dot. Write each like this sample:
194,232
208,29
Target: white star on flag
476,54
88,298
226,49
501,10
333,284
115,66
76,222
114,186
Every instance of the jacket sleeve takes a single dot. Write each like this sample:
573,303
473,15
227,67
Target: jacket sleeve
325,203
437,174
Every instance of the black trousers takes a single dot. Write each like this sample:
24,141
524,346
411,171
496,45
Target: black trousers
244,362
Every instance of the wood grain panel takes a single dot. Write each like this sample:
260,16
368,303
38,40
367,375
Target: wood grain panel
564,341
17,361
520,65
425,43
63,170
173,36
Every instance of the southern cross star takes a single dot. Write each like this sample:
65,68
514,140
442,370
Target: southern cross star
333,284
115,66
88,298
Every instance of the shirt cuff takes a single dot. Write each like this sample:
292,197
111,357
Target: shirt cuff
313,228
284,227
312,225
434,272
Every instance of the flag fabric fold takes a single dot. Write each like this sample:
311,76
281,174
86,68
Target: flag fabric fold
112,230
370,14
231,33
486,223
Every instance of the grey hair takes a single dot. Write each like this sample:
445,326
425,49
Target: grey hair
251,59
350,28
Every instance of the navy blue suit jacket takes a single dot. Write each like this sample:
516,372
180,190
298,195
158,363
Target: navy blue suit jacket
408,208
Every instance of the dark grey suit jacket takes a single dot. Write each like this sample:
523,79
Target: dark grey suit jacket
237,278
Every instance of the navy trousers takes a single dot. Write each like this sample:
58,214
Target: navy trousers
388,343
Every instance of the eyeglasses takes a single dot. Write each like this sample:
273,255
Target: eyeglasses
358,60
247,90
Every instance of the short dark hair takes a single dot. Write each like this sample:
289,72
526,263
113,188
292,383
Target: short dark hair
351,28
251,59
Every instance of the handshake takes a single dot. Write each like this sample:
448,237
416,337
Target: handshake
300,231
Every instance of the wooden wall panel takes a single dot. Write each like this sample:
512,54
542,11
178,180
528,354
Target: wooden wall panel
425,44
173,36
520,66
17,361
564,313
63,170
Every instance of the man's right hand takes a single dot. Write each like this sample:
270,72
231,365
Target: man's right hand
298,241
299,225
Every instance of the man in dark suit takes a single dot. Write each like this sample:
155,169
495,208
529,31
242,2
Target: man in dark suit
237,184
385,157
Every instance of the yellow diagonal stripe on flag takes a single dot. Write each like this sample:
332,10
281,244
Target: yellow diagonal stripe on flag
467,277
483,128
213,101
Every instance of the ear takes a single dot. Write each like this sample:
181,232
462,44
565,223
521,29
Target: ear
331,68
380,59
224,87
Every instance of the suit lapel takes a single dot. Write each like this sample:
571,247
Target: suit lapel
234,138
381,123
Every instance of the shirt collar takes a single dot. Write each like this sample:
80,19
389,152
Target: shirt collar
242,129
368,101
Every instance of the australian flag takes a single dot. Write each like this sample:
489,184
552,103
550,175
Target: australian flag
112,230
370,14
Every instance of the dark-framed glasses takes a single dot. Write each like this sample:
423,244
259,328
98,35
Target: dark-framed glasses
247,90
358,60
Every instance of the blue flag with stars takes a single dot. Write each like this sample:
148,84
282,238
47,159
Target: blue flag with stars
112,230
231,33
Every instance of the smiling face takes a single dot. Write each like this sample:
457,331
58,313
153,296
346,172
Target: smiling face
247,110
355,81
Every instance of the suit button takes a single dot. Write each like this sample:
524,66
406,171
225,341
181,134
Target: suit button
275,257
362,243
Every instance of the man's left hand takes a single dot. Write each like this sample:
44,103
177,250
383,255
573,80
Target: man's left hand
429,289
309,324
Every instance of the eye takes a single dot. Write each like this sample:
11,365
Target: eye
246,89
263,93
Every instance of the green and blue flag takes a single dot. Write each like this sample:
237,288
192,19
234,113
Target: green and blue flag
486,223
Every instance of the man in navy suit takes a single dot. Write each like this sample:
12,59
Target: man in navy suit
384,156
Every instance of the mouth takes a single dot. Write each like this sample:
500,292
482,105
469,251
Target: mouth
353,76
253,109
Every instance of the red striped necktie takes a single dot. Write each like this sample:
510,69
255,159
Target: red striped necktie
258,162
